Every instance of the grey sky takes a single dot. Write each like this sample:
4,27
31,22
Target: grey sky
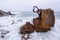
27,5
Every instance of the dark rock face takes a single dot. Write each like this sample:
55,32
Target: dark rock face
45,21
3,13
27,28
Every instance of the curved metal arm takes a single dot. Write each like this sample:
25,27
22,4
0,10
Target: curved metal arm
34,9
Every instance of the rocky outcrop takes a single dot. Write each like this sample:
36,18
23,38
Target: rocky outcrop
27,28
3,13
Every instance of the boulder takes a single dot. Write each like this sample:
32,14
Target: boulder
27,28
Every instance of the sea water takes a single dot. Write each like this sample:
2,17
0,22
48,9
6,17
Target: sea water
20,19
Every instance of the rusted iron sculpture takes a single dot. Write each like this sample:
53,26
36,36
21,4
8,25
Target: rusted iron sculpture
45,20
42,23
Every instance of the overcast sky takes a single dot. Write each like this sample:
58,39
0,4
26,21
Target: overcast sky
27,5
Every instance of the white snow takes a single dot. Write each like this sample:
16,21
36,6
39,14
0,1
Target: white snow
6,23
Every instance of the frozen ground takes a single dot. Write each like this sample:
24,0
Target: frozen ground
21,19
